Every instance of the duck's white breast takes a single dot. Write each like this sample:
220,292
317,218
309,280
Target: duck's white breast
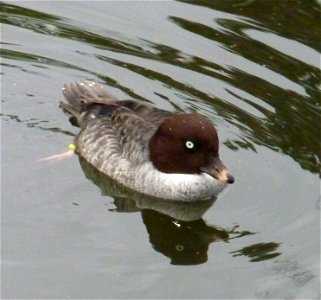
100,147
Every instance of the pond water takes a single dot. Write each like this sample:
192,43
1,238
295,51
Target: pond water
252,67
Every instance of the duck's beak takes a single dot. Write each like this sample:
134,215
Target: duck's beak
216,169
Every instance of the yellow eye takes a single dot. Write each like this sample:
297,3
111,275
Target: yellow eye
189,145
179,248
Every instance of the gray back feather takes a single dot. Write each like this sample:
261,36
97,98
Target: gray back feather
122,127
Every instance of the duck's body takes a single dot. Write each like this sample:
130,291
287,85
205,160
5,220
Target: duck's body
143,147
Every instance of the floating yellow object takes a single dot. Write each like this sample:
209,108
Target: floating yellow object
72,147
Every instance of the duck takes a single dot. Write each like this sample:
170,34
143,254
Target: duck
166,155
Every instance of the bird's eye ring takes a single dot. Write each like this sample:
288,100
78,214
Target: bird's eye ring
189,145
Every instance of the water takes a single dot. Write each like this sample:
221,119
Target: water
252,67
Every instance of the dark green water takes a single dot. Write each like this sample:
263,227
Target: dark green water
252,67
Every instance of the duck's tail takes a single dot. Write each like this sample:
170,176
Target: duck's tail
83,97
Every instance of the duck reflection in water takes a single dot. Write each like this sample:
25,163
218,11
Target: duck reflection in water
184,242
176,229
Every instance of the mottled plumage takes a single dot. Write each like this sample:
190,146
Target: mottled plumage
130,140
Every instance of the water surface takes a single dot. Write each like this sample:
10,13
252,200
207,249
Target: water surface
252,67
